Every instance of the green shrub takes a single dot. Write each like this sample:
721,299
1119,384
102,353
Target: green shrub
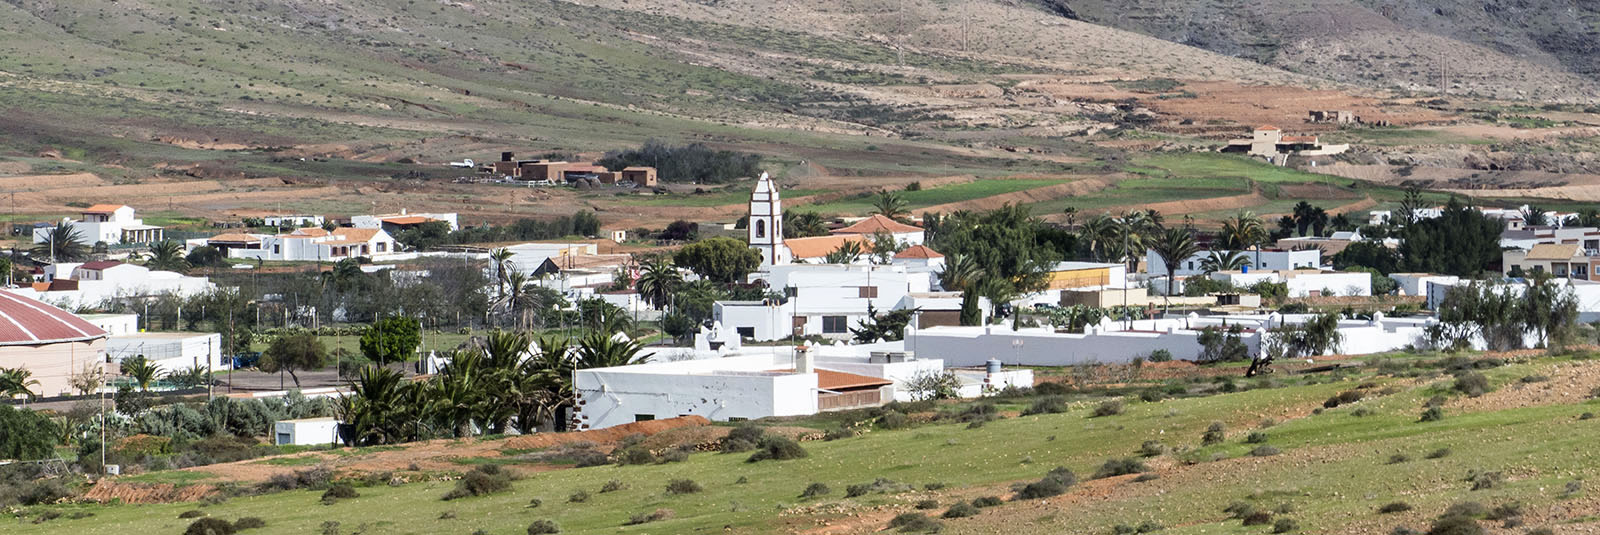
683,486
777,448
914,523
1394,507
987,501
1432,414
192,513
1051,388
1264,450
1110,407
543,527
209,526
1046,405
893,420
1118,467
1439,453
1455,525
1159,355
927,504
1147,476
1505,511
1485,480
578,496
1473,384
1399,458
339,491
613,486
1054,483
1239,510
653,516
960,510
483,480
634,455
249,522
1467,509
1256,437
815,489
1258,518
877,486
1285,525
1215,434
742,438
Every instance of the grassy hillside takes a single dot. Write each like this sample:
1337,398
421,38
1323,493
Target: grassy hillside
1334,469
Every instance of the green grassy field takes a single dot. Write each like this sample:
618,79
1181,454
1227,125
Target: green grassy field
934,196
1335,469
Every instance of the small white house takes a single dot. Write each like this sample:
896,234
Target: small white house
107,223
293,220
1271,260
170,351
306,432
1305,283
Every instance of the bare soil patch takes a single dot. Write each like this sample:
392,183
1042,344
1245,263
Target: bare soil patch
1570,382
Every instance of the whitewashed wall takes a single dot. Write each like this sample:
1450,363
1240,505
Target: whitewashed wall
717,389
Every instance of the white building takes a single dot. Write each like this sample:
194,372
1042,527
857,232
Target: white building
114,324
170,351
1304,283
306,432
107,223
1415,284
906,235
305,244
530,258
402,220
821,299
764,382
296,221
88,285
765,234
1270,260
766,223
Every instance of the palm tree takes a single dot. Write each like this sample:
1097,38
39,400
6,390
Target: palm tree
998,290
141,370
890,205
1223,261
960,273
798,224
1245,231
1095,232
62,244
522,300
847,253
501,258
602,350
1303,215
167,255
1129,236
1174,246
378,408
658,279
17,381
1319,221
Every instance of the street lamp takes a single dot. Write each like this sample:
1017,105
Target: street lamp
1016,346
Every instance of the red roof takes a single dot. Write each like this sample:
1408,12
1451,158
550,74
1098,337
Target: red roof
24,321
878,223
103,208
100,264
408,220
837,380
918,251
1267,127
1300,139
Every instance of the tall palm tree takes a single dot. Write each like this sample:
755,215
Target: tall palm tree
960,273
603,350
797,224
1173,246
63,243
17,381
1245,231
658,279
501,259
379,407
1095,231
141,370
1223,260
847,253
890,204
1319,221
998,290
167,255
1303,215
1129,237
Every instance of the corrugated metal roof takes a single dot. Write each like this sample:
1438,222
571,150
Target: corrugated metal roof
25,321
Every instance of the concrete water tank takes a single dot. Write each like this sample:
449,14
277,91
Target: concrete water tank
992,366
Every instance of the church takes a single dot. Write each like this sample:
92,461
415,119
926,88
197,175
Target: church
766,234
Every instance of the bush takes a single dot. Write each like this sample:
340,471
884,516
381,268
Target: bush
1486,480
653,516
1468,509
249,522
877,486
543,527
1439,453
1159,355
1473,384
1394,507
1054,483
579,496
1215,434
1239,510
1258,518
683,486
1265,450
339,491
815,489
1051,388
192,513
1432,414
914,522
1047,405
1151,448
1119,467
987,501
209,526
742,438
927,504
1285,525
1534,378
1256,437
314,478
1147,476
483,480
893,420
1111,407
960,510
634,455
1505,511
777,448
1144,527
613,486
1399,458
1455,525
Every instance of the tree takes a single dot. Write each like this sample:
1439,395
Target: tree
26,435
500,260
394,338
887,327
1094,233
658,279
1174,246
85,381
1304,214
378,408
1381,284
602,350
17,382
1368,254
1461,241
971,313
846,253
205,256
424,236
688,163
62,243
930,385
1244,231
798,224
167,255
884,247
1006,243
680,230
720,259
299,350
141,370
1223,261
890,204
1317,336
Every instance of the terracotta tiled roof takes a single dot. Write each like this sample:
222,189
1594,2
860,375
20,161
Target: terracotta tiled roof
309,231
24,321
1267,127
233,238
100,264
355,234
1300,139
878,223
835,380
1553,251
820,246
408,220
102,208
918,251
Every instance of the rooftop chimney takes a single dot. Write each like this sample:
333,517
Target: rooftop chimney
802,360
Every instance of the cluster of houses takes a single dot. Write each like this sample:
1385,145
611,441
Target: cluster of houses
571,173
368,236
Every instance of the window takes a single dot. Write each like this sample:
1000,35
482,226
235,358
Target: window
382,246
643,417
761,228
867,292
1191,266
835,324
284,439
277,249
746,332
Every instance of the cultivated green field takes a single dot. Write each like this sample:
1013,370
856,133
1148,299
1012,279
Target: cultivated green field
1334,471
934,196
